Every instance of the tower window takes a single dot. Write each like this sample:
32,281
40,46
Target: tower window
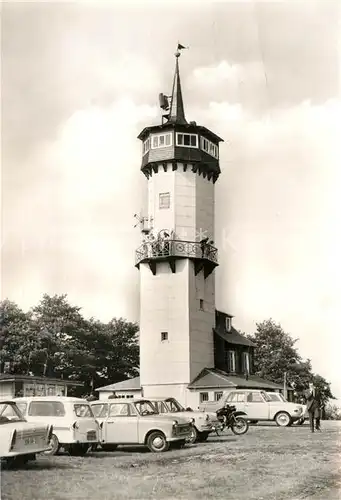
164,336
164,200
187,140
209,147
201,304
146,146
161,140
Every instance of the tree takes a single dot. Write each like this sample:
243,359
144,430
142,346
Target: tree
276,356
18,339
58,324
110,352
54,339
275,351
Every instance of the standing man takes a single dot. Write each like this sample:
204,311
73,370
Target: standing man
312,396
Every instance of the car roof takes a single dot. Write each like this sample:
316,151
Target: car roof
118,400
64,399
7,401
159,398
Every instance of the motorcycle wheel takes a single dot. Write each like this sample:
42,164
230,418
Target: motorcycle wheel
239,426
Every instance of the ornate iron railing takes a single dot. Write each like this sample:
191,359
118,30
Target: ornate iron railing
175,248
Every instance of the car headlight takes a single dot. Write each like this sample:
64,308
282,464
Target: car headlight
298,409
175,423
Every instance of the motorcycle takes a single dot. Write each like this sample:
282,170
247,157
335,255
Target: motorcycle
230,418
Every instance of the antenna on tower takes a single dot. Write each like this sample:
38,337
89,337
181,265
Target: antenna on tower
145,223
164,105
164,102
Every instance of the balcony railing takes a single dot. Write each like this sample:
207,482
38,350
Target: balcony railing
160,250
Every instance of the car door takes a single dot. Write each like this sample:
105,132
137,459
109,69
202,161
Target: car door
121,425
101,412
256,407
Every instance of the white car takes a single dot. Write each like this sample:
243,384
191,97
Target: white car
20,440
258,406
203,422
136,422
278,397
75,428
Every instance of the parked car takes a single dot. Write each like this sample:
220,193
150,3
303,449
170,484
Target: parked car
277,396
20,440
75,427
137,422
203,423
258,406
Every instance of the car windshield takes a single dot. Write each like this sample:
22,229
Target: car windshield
174,406
145,408
83,411
10,413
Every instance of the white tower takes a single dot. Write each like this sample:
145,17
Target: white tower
177,258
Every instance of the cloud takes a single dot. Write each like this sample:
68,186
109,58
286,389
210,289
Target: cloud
74,224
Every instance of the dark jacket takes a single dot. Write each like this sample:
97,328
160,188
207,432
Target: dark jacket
313,402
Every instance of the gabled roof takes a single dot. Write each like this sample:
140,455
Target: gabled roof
218,379
233,336
132,384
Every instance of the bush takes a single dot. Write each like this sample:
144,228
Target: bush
332,412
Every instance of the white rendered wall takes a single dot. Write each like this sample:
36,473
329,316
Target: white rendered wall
191,212
170,302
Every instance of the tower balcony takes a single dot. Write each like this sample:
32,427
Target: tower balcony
204,255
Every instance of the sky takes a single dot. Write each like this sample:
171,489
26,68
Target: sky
81,80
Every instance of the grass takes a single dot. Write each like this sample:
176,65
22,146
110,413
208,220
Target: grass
267,463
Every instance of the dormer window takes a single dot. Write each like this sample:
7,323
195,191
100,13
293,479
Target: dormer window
187,140
228,324
209,147
161,140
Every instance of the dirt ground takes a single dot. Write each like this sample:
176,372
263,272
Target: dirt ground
267,463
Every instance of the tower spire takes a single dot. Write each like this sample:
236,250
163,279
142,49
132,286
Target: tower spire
177,112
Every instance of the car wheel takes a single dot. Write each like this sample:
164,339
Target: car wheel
283,419
203,436
239,426
157,442
194,436
54,443
108,447
78,449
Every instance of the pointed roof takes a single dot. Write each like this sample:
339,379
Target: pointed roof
177,112
132,384
233,336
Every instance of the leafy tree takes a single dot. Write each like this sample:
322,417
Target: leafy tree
18,339
276,356
54,339
333,412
